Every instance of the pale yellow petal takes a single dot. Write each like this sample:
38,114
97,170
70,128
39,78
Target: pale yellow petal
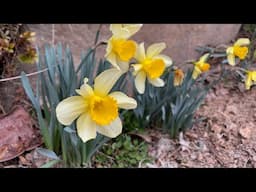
253,75
156,82
231,59
123,101
85,90
242,42
119,32
196,72
112,130
248,81
140,54
204,58
140,82
155,49
104,82
230,50
137,68
109,47
167,60
123,66
69,109
86,128
112,58
132,28
115,28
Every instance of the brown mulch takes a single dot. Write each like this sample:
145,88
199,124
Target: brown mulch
225,138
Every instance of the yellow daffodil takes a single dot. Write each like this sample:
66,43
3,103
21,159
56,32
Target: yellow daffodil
178,77
239,49
201,66
119,49
95,108
150,65
250,79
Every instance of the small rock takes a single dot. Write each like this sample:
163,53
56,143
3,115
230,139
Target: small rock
199,157
193,156
245,132
216,128
192,135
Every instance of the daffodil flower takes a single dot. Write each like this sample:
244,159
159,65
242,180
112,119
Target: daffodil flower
150,65
178,77
95,109
119,49
250,79
201,66
239,49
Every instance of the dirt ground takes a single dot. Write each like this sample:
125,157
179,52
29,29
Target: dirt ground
225,138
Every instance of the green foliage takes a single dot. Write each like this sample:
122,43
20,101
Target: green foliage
178,111
123,152
250,28
130,122
170,107
58,83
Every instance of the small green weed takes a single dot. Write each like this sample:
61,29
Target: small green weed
123,152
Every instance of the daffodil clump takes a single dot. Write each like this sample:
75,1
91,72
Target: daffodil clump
83,110
236,54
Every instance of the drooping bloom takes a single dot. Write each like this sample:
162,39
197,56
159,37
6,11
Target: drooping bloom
28,36
239,49
30,56
178,77
119,49
250,79
201,66
151,65
95,109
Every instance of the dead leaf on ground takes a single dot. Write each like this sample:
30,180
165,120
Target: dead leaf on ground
17,134
143,136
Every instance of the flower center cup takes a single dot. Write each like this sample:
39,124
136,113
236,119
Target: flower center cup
103,110
125,49
153,68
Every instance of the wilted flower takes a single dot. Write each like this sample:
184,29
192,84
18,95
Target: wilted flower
5,45
29,57
178,77
28,36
